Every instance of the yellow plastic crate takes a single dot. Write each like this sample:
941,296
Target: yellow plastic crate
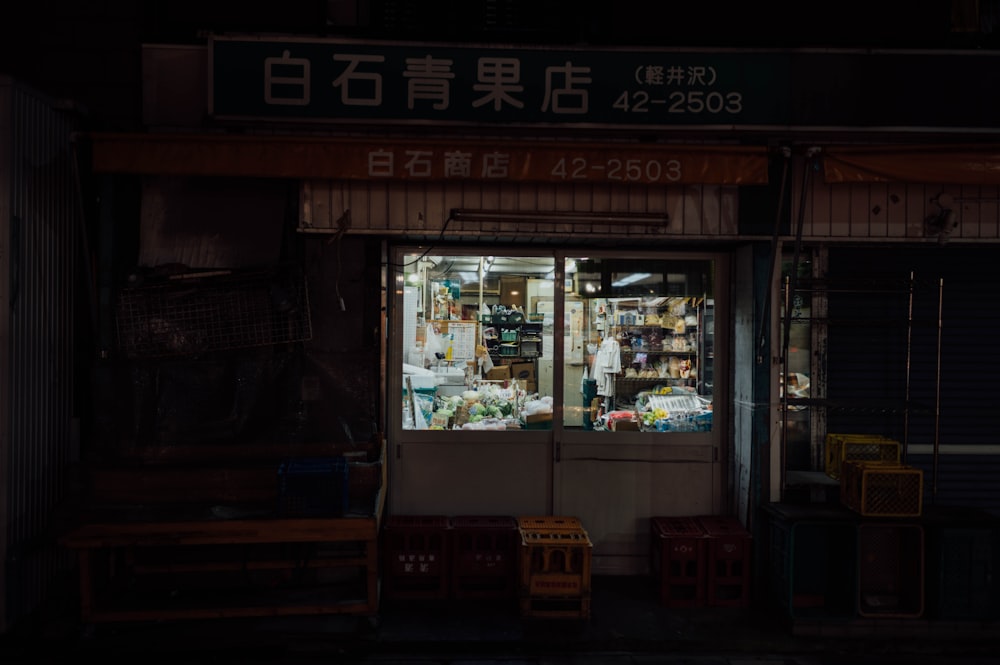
882,490
868,448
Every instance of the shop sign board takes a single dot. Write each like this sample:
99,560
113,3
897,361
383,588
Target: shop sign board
352,81
335,80
440,160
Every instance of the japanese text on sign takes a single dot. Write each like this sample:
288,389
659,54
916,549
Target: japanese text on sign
352,81
455,164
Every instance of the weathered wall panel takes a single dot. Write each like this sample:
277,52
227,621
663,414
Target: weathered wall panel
212,222
419,209
40,206
896,212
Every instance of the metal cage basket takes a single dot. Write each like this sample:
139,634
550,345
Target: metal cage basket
194,314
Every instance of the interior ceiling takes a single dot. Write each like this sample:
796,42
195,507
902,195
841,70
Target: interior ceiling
447,267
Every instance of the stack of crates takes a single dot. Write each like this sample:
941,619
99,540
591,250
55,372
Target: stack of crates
554,562
727,547
416,562
484,556
873,482
868,448
678,560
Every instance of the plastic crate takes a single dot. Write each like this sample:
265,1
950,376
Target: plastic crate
890,570
313,487
416,556
728,551
882,490
554,563
484,556
872,449
963,561
812,560
678,560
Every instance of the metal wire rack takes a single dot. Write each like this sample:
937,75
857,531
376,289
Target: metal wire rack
195,314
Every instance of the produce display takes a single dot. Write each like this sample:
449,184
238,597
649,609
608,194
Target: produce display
491,406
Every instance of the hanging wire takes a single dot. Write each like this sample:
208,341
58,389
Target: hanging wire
766,307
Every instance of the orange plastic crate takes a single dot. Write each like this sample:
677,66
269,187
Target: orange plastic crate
555,608
551,523
555,563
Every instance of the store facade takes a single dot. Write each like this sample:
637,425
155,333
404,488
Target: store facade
717,215
514,370
511,255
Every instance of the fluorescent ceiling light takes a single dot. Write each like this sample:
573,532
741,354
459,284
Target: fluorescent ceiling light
564,216
631,278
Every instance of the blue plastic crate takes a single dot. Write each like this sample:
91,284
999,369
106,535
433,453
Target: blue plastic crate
313,487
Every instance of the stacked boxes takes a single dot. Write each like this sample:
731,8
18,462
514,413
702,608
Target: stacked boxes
416,549
554,563
881,490
484,557
678,560
871,449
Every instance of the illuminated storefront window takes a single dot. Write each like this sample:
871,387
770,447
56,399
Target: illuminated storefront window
489,343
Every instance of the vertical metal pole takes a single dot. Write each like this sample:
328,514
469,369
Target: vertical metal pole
787,289
482,278
937,389
906,394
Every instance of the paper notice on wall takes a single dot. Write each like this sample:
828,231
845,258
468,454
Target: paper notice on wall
464,341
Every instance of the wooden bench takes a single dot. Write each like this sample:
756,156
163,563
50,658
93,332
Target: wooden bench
183,537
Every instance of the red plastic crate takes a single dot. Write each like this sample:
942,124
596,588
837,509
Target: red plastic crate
484,556
678,560
416,556
728,549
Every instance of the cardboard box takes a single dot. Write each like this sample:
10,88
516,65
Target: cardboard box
538,421
499,373
523,372
624,425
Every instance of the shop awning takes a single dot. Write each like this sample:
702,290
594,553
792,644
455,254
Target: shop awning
437,159
930,164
